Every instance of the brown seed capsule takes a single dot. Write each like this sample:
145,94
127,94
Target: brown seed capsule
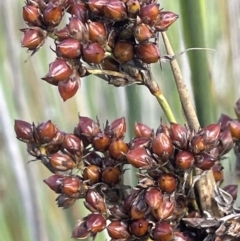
79,9
133,7
139,227
68,88
167,183
72,144
115,10
71,186
94,201
45,131
162,146
148,52
149,13
166,19
93,53
92,174
179,135
111,175
217,170
141,130
234,127
23,131
184,159
97,32
204,161
118,128
153,197
61,162
162,232
139,157
118,230
65,201
225,142
123,51
101,142
54,182
95,223
139,208
59,70
31,15
81,231
33,38
118,148
77,29
224,121
52,15
211,134
139,142
143,32
87,128
69,48
62,34
109,63
165,209
96,6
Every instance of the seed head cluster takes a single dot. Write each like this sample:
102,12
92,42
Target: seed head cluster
100,34
90,162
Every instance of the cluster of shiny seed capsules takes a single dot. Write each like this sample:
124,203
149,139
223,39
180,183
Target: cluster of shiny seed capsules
102,34
90,164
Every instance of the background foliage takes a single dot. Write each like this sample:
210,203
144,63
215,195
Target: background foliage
27,208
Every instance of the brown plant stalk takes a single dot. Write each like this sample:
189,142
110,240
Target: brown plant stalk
205,185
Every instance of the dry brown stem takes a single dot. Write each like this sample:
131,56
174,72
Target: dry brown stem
205,185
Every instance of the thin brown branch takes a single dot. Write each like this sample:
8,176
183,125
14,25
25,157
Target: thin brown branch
205,185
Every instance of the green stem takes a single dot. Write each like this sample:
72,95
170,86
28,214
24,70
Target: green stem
165,107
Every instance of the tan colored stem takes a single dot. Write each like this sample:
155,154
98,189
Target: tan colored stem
206,184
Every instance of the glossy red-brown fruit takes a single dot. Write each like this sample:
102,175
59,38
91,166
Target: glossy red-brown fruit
118,230
143,32
59,70
68,88
184,159
118,148
111,175
167,183
148,52
33,38
52,15
118,128
69,48
71,186
93,53
31,15
149,13
142,130
139,227
97,32
95,223
96,6
162,232
101,142
92,174
23,130
162,146
123,51
115,10
139,157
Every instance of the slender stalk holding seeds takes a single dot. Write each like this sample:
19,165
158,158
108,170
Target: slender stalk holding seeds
206,184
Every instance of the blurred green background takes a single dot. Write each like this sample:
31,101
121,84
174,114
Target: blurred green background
27,208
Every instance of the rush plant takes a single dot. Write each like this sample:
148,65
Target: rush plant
118,40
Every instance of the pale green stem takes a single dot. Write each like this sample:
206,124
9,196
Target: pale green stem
165,107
